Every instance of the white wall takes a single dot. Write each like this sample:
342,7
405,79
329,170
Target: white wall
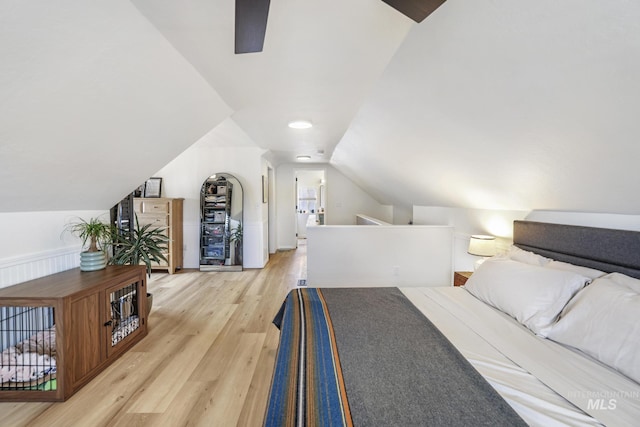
499,223
402,215
34,244
379,255
93,99
466,222
344,200
225,149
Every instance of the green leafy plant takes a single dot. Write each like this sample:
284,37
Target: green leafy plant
94,231
146,244
236,234
235,237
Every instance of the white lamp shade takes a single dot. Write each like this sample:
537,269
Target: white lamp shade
482,245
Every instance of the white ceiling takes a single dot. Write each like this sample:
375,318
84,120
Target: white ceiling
320,60
495,104
507,105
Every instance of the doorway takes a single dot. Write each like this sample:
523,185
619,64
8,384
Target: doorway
311,198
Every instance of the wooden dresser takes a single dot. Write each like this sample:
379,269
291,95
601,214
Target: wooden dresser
165,213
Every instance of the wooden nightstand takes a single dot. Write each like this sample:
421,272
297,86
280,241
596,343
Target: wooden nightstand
460,277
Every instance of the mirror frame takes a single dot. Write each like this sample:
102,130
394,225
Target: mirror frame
235,264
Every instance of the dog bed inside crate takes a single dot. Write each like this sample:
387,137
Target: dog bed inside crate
30,364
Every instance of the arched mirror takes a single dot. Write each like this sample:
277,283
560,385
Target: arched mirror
221,231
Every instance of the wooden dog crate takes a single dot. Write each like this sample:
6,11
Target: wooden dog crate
60,331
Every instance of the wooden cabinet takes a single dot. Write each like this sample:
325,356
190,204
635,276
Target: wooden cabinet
96,316
167,214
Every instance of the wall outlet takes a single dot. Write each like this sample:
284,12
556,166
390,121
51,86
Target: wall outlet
396,270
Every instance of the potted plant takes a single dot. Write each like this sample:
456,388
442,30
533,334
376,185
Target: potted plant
98,234
140,245
236,237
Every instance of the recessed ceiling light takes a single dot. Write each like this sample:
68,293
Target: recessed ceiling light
300,124
303,157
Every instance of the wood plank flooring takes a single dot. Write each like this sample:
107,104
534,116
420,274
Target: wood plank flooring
207,361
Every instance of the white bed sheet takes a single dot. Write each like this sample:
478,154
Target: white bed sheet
546,383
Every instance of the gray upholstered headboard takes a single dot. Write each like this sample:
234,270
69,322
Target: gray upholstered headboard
601,248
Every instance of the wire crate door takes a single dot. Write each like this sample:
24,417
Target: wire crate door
125,313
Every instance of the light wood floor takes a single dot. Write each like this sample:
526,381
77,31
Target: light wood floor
207,361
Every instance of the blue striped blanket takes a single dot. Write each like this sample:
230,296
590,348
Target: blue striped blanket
308,388
368,356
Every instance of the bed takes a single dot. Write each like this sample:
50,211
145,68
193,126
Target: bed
542,335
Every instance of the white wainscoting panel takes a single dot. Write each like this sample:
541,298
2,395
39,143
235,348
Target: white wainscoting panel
28,267
379,255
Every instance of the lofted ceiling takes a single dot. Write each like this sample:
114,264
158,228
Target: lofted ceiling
506,105
493,104
485,104
320,60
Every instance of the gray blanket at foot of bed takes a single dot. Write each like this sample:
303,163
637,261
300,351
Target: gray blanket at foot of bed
400,370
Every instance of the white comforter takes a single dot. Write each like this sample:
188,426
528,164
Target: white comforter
546,383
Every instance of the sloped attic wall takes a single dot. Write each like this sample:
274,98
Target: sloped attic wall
93,100
506,105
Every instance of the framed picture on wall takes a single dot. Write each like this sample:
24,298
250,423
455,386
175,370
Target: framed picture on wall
153,187
265,189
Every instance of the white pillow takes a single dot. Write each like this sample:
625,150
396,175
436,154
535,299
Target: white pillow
591,273
517,254
602,321
531,294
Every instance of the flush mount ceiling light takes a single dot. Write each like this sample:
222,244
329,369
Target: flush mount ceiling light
303,157
300,124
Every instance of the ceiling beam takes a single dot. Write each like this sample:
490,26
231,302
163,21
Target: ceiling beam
415,9
251,25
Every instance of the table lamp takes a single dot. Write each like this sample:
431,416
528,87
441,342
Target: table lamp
483,246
